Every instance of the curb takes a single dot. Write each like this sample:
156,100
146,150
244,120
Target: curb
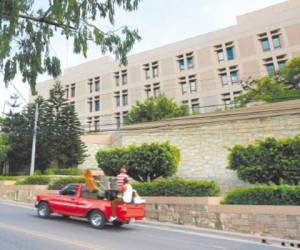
267,240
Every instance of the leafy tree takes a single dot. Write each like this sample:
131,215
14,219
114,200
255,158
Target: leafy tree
156,109
144,163
268,161
4,148
27,27
58,134
292,73
284,85
19,137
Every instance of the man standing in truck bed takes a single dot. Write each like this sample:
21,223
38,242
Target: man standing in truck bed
121,176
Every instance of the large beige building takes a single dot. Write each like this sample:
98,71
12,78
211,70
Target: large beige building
204,72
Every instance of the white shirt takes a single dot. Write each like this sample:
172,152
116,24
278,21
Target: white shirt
127,195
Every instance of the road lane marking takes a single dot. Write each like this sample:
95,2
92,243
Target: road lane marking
77,243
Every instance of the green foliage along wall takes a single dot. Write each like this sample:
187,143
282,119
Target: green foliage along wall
268,161
156,109
144,162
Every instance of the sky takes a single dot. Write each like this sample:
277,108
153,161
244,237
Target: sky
159,22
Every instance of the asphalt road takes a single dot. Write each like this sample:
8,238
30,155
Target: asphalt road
20,228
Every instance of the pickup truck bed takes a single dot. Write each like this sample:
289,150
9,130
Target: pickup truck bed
70,202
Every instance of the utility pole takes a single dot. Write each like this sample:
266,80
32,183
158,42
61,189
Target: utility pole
34,140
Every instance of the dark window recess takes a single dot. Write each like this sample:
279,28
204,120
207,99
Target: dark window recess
230,54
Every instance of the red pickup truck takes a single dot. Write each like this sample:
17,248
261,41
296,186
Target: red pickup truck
74,200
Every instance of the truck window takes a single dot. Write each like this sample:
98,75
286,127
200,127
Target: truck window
69,190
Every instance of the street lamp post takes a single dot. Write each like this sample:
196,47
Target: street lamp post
34,140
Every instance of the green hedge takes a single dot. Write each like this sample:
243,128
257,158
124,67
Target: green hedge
177,187
34,180
144,162
8,178
63,171
268,161
264,195
59,183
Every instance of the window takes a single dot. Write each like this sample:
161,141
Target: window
97,105
89,123
125,99
270,69
67,91
117,100
234,76
155,69
190,63
124,77
230,54
147,72
181,64
224,79
220,55
90,105
117,78
281,65
226,98
97,83
125,117
118,121
148,90
156,90
184,88
195,106
193,86
276,42
69,190
97,124
90,83
73,90
190,60
265,44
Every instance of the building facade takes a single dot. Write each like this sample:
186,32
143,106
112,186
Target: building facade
204,72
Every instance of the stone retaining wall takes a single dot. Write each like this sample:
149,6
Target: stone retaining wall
275,221
24,193
204,140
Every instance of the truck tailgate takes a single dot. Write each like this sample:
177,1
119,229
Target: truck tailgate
130,211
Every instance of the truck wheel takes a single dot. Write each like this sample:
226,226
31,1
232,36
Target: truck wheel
97,219
65,216
117,223
43,210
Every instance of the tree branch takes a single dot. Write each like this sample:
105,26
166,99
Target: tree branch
40,20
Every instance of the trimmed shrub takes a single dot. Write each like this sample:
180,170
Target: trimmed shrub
144,162
177,187
268,161
264,195
34,180
61,182
37,172
8,178
63,171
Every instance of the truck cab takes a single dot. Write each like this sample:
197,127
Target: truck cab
75,200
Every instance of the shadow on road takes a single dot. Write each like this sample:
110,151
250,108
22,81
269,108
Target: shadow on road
84,222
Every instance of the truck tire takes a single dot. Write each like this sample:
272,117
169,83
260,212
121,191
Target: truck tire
43,210
97,219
